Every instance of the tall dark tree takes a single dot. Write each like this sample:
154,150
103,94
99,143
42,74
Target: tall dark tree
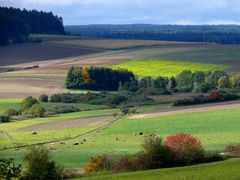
16,24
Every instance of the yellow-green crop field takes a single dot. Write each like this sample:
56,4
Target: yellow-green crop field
157,68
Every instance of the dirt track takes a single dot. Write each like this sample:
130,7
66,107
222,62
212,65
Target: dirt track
188,109
65,124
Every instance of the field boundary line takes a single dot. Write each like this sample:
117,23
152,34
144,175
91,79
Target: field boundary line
66,139
6,135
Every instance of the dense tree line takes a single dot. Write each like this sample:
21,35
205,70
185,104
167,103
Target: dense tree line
186,81
202,82
94,78
222,34
16,24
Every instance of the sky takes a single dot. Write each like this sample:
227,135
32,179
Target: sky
82,12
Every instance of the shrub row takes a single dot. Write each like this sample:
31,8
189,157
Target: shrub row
62,110
176,150
102,98
215,96
4,118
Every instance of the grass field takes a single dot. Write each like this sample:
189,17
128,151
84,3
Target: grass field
215,129
226,170
211,54
9,103
15,104
156,68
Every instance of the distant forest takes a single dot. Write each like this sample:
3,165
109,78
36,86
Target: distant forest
17,24
221,34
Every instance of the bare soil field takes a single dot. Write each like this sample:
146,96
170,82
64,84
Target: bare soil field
188,109
66,124
23,86
23,53
112,44
54,60
51,37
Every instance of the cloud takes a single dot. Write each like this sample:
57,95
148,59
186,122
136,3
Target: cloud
137,11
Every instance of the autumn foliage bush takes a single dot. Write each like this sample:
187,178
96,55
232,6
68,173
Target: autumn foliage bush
100,163
185,149
175,150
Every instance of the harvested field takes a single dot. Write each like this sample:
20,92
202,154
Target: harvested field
67,124
52,37
188,109
18,86
112,44
23,53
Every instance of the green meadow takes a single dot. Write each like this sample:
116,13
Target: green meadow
226,170
15,104
215,129
157,68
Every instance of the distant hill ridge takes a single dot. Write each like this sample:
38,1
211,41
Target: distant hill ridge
221,34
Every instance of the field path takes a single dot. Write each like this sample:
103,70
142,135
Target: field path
188,109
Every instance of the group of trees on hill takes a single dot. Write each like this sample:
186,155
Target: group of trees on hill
186,81
221,34
199,82
16,24
95,78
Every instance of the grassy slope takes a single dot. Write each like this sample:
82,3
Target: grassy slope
226,170
156,68
25,137
218,54
216,129
69,155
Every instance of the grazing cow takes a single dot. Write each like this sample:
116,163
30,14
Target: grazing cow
34,133
61,142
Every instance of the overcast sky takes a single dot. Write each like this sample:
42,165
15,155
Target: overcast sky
76,12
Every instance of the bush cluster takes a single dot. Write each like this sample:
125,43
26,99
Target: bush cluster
43,98
102,98
4,118
176,150
8,169
215,96
11,112
31,106
64,109
39,166
28,106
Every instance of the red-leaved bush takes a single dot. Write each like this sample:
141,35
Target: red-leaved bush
185,148
182,142
215,95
